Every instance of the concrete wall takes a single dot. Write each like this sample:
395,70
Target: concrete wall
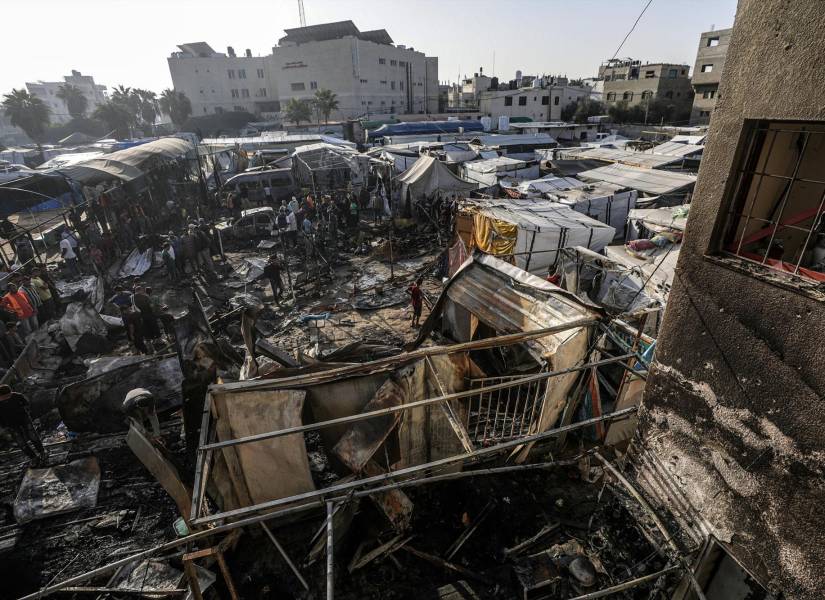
47,91
209,87
367,77
656,80
706,85
493,103
733,410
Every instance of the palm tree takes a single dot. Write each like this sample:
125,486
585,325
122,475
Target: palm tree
116,116
326,101
27,112
298,110
176,105
76,102
147,106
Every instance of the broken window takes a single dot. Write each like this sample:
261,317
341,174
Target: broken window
775,211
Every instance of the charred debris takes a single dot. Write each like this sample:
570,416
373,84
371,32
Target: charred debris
310,443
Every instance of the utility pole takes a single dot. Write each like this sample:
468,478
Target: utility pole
301,14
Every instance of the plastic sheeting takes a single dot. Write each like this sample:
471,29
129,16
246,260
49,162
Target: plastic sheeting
425,128
81,319
494,236
135,265
428,176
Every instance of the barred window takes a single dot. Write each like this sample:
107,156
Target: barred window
775,216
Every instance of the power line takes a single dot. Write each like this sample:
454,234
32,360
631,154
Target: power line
639,18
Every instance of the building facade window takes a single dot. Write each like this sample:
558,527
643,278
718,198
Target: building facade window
241,73
262,92
235,94
231,73
313,85
400,85
611,96
392,85
545,100
382,61
508,101
393,63
647,95
775,214
650,74
237,108
707,68
671,74
709,94
713,42
260,73
297,87
522,101
704,113
402,63
556,100
627,96
363,81
244,93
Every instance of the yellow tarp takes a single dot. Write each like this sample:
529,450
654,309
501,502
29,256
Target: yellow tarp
494,236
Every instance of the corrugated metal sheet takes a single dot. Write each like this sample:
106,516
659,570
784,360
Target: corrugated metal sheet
649,181
677,149
627,157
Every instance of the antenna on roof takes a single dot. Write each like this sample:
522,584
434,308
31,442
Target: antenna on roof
301,14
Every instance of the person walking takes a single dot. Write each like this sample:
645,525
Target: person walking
272,271
169,261
15,416
291,229
133,323
67,252
143,302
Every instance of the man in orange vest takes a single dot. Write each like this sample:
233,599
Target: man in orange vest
18,303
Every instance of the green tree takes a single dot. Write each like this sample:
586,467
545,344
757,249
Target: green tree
588,108
27,112
147,105
569,111
326,102
622,113
176,105
76,101
297,111
116,116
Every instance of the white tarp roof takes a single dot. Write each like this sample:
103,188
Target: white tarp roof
500,164
544,227
550,183
429,175
649,181
628,157
689,139
672,217
676,149
513,140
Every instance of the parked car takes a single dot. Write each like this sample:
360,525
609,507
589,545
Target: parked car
280,182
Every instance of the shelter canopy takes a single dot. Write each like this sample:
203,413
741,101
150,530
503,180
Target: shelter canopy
649,181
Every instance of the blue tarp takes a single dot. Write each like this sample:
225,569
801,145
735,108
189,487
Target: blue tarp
425,128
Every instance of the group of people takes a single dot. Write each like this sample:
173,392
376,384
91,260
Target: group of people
191,252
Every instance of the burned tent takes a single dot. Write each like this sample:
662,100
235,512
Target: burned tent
300,434
129,164
427,178
329,166
531,231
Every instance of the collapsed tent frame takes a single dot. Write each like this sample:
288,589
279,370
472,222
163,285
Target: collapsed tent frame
207,444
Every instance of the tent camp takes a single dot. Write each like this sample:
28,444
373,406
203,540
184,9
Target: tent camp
647,181
533,230
488,172
428,177
604,202
536,188
329,166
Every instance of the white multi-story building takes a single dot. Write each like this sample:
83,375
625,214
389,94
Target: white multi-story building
543,101
47,92
216,82
368,73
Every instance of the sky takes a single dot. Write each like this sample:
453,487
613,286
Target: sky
127,41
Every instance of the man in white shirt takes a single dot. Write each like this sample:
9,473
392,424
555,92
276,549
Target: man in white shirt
291,229
67,251
268,196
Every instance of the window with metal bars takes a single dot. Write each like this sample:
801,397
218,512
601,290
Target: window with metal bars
775,215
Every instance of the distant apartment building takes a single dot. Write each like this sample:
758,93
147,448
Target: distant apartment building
47,92
636,83
465,94
707,73
216,82
544,100
367,71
